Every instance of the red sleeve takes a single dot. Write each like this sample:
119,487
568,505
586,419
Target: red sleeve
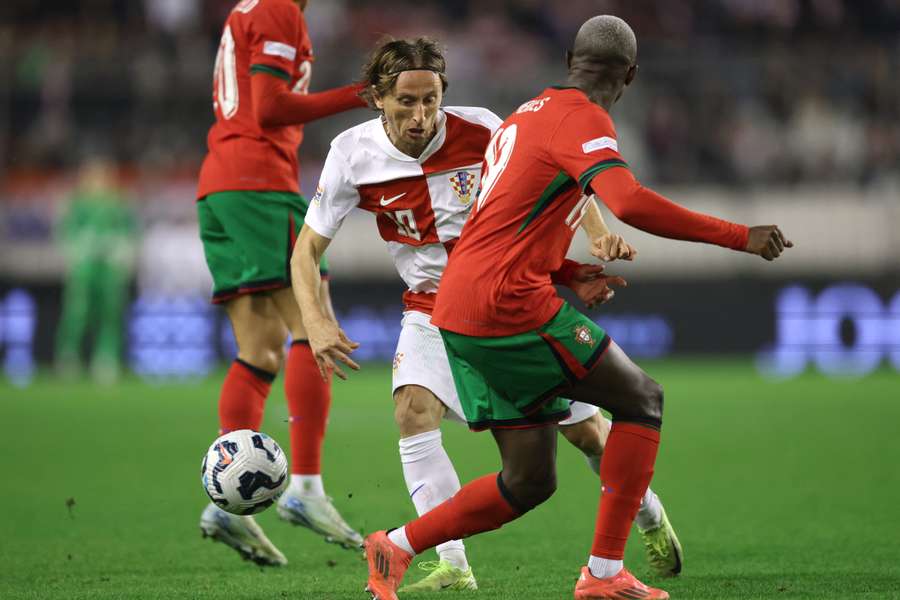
584,143
274,34
565,273
274,105
648,211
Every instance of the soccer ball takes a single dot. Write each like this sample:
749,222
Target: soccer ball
244,472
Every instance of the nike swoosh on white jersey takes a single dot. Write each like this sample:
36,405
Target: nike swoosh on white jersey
391,199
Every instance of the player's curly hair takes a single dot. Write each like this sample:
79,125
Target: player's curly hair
391,57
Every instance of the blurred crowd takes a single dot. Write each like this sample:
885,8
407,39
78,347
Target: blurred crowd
740,92
105,106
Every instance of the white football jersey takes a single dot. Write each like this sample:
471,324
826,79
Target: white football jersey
420,204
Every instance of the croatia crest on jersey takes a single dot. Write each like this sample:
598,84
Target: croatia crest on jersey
463,183
320,191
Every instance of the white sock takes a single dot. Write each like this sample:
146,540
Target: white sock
604,567
308,485
649,515
454,553
431,479
398,536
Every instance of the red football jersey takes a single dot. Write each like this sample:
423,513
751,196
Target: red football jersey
259,36
538,163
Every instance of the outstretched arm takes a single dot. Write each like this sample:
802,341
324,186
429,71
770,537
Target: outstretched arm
326,340
275,105
645,209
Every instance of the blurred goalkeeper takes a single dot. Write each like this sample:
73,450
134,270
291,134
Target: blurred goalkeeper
250,211
97,234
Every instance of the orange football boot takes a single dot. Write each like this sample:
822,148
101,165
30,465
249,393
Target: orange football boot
387,564
621,586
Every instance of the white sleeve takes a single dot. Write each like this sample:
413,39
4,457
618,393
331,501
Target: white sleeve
476,114
491,121
335,196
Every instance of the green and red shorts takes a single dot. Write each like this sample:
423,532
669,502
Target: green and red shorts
513,382
248,238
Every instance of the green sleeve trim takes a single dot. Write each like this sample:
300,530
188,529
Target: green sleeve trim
560,184
585,178
279,73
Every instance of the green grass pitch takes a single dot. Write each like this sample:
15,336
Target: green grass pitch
777,489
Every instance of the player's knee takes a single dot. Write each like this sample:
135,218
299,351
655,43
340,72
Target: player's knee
265,351
265,359
540,490
645,404
528,489
652,402
273,357
416,412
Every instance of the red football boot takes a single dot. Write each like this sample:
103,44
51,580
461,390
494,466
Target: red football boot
621,586
387,564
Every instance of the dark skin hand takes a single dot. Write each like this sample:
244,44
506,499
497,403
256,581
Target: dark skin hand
592,287
767,241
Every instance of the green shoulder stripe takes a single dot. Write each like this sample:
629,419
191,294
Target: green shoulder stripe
585,178
559,185
271,71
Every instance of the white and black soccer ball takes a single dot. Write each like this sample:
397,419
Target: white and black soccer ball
244,472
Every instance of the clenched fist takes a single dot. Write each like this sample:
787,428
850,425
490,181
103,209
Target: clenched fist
767,241
612,246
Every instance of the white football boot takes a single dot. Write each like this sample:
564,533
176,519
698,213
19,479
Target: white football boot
241,533
320,515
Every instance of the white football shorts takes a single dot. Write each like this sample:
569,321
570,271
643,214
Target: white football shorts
421,359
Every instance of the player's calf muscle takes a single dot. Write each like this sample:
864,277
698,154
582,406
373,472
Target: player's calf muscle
529,465
587,436
417,410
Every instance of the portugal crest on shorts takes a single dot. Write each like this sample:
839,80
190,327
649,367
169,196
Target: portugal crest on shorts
398,358
584,336
463,184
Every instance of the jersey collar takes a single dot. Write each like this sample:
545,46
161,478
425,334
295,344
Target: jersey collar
433,146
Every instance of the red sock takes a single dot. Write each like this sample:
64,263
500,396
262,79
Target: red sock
309,400
477,507
625,470
243,397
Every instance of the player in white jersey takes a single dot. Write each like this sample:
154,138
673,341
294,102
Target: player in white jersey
417,168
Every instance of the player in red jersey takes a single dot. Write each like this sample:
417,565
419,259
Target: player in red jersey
514,345
250,212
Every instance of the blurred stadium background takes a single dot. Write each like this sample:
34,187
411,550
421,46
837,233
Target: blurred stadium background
782,111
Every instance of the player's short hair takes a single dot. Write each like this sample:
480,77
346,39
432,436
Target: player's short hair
606,39
391,57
